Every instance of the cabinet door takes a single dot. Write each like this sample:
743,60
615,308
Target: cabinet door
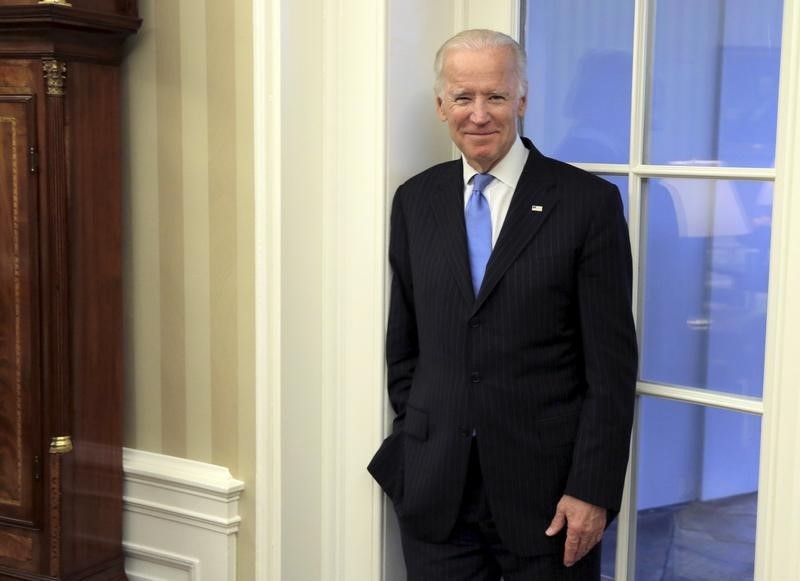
20,358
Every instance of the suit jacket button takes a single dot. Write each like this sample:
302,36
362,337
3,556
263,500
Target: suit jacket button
463,432
475,377
474,323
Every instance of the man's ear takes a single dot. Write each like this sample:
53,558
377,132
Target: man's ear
440,109
523,105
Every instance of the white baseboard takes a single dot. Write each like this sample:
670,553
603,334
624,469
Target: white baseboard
181,519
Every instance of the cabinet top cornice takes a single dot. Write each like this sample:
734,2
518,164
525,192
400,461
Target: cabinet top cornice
66,32
18,17
121,7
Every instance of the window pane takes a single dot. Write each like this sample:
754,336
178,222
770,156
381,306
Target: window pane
579,75
714,92
697,492
706,266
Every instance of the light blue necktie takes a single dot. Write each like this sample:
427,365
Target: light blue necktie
478,218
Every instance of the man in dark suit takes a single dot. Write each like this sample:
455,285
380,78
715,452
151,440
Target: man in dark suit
511,348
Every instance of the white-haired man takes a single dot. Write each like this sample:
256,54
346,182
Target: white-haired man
511,348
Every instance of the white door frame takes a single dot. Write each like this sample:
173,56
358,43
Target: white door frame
320,163
778,526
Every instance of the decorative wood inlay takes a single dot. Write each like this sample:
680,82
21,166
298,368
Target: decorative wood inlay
55,72
56,2
55,514
16,545
16,498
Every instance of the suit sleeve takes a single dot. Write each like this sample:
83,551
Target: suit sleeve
402,348
610,353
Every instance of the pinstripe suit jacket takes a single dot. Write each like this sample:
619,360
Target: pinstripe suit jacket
541,364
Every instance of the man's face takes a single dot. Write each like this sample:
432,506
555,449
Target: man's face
480,103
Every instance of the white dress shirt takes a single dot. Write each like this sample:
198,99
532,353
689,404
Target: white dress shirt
499,191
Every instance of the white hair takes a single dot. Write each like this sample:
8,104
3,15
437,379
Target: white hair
481,39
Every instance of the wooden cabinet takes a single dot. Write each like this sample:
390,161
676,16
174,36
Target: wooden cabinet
60,288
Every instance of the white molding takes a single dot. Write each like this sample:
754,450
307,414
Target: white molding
350,99
778,526
185,517
517,15
182,474
180,518
144,563
267,154
354,234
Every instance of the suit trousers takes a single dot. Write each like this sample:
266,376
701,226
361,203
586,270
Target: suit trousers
474,550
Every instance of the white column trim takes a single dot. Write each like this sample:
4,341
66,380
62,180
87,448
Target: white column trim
352,196
778,528
354,234
267,130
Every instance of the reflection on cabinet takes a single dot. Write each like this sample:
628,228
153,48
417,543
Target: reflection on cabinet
60,288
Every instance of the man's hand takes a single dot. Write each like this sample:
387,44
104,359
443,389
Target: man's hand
585,524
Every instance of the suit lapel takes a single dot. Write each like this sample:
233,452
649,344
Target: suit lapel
447,203
531,204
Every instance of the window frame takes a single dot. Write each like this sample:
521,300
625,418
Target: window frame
638,172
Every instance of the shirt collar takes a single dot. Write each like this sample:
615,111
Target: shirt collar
508,170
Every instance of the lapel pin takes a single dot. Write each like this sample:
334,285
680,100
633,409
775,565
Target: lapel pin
536,208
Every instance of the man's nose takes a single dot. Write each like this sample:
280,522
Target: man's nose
480,112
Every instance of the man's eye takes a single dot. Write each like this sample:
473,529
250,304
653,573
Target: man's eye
497,98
